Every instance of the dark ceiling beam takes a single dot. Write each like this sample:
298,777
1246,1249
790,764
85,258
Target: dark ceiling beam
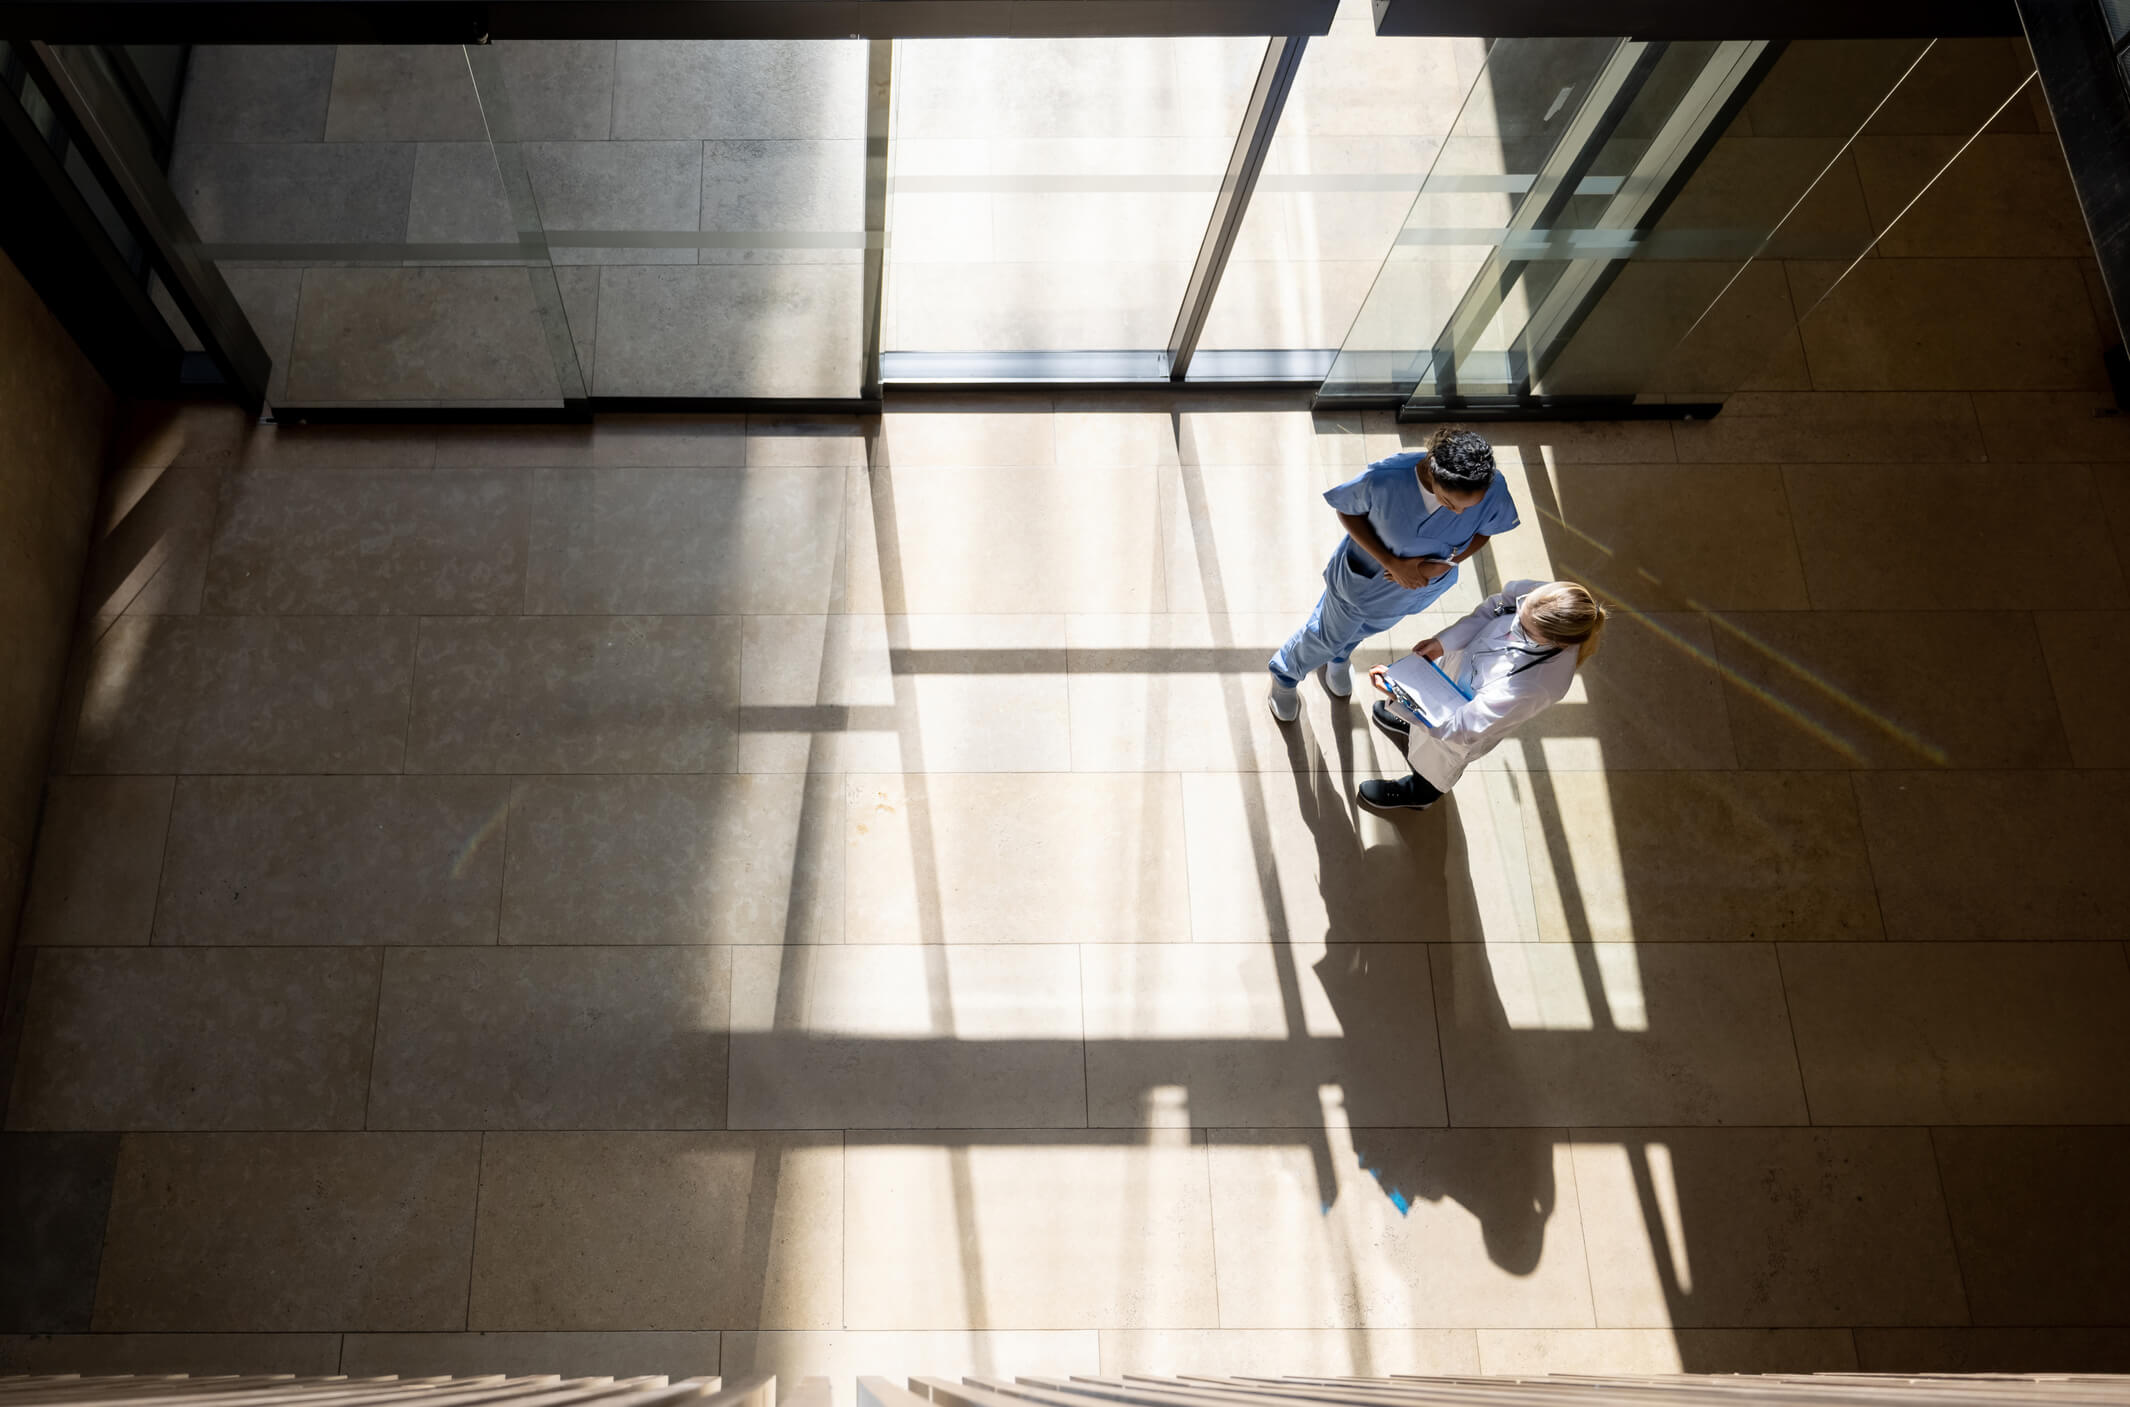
1698,19
469,21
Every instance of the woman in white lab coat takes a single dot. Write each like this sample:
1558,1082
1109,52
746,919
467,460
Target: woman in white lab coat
1515,654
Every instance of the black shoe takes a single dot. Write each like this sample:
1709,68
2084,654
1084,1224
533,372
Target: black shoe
1385,797
1392,726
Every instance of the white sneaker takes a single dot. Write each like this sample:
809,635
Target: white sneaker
1285,703
1338,679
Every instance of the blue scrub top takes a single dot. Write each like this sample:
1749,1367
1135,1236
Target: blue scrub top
1406,516
1412,524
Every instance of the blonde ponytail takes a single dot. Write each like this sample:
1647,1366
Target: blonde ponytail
1567,614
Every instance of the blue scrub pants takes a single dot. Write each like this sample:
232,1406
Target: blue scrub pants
1352,608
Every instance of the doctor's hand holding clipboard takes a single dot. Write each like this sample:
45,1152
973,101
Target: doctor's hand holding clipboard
1417,688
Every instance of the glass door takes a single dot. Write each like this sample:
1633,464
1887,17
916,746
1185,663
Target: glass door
1049,198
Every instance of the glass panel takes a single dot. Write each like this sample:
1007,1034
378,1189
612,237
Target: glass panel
1361,126
2117,14
1837,141
704,207
351,198
521,223
1052,194
1662,224
1509,153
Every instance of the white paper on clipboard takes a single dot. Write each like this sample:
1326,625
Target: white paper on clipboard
1424,683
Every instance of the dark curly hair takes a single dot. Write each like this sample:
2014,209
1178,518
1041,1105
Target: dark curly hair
1461,460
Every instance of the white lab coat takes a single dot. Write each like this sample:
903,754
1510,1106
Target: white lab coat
1508,684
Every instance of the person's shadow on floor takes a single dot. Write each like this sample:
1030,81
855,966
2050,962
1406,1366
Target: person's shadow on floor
1503,1179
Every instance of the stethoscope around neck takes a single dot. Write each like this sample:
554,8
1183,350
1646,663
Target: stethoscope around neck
1534,655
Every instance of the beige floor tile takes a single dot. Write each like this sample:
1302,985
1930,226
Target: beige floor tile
305,1355
609,442
1710,537
1736,1228
1856,689
1549,443
970,435
685,541
1283,1352
339,447
1999,854
713,859
1397,1228
1020,540
1993,1350
1526,1353
1901,325
2085,651
846,1355
2004,195
818,693
2111,482
804,441
2052,426
1287,434
1099,433
1897,536
1237,540
1835,427
1012,1230
445,334
907,1038
299,694
1536,1034
2040,1216
621,1354
1625,857
1006,858
248,1038
1973,1033
1293,860
128,706
14,873
308,860
1956,88
659,1231
960,693
375,541
99,855
551,1038
1187,693
282,1231
1232,1035
585,694
1653,697
55,1201
153,536
1784,368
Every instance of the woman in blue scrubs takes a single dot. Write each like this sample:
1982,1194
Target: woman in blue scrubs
1409,520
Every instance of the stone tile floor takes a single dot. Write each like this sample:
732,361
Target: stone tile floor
697,895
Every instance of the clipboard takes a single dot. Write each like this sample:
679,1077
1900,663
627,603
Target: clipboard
1422,693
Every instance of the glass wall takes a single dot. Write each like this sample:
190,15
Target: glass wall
1436,220
1052,194
1362,127
1619,218
523,224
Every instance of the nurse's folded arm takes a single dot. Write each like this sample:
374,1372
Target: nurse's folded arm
1412,573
